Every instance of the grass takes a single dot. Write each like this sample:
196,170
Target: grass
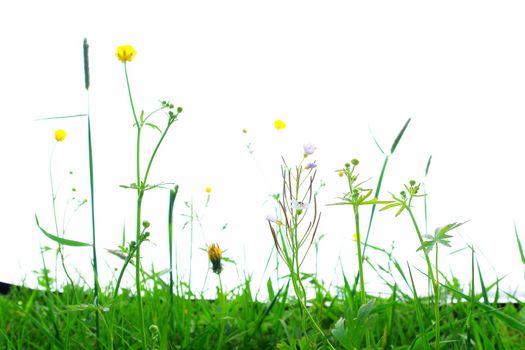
303,313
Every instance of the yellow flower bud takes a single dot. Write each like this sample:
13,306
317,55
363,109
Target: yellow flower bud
208,189
215,255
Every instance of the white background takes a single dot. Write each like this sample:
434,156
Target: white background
331,70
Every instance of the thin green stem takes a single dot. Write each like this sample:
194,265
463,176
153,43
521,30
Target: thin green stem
146,174
434,280
140,195
305,309
92,196
359,256
436,300
137,270
60,249
129,94
414,222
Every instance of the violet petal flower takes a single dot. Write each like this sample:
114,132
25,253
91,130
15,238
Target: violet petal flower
310,165
309,149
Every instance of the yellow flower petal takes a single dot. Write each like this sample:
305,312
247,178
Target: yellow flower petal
60,135
125,53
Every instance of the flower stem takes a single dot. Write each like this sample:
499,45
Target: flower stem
359,256
434,279
140,195
436,301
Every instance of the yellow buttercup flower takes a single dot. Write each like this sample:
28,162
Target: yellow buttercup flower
279,124
60,135
208,189
125,53
215,256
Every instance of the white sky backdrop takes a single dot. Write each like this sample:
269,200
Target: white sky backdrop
330,69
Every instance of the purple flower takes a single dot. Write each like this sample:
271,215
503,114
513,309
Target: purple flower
310,166
309,149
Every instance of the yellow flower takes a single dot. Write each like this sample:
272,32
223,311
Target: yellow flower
279,124
340,173
125,53
215,255
208,189
60,135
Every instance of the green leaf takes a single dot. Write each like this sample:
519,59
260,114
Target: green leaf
339,332
400,210
154,127
364,312
375,201
63,241
392,205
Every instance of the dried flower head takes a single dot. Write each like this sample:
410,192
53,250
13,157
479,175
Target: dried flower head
125,53
60,135
215,255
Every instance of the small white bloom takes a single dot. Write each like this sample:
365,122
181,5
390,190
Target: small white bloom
273,218
300,205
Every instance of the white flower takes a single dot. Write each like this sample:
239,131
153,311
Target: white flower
273,218
300,206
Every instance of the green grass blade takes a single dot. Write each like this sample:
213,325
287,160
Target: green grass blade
428,165
375,140
399,136
86,64
508,320
520,247
91,190
67,242
173,196
63,117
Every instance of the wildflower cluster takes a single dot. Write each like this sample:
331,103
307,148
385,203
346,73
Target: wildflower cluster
297,206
